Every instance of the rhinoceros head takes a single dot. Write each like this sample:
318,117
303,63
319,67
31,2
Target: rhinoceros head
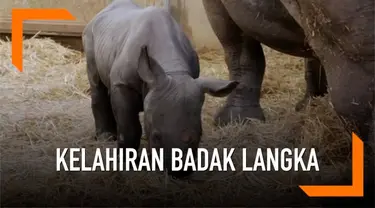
172,108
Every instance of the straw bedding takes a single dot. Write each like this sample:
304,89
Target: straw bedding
47,106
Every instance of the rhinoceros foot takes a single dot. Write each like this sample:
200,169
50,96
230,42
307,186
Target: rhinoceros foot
106,136
234,114
302,104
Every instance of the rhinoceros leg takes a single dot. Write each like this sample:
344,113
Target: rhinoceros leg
105,124
127,104
316,82
246,64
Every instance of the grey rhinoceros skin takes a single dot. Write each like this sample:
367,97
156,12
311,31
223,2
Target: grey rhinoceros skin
241,27
335,36
139,59
338,47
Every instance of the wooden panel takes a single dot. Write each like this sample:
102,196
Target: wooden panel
60,28
71,42
190,14
83,10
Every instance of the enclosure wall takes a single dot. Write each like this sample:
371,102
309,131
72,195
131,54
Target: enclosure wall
189,13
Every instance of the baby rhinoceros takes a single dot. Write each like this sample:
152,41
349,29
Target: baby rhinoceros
139,59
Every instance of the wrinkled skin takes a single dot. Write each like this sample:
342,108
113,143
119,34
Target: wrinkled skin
241,26
338,34
342,36
140,60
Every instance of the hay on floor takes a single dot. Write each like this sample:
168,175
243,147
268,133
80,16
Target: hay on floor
46,107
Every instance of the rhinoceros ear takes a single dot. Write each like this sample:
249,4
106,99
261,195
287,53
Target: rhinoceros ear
217,87
149,70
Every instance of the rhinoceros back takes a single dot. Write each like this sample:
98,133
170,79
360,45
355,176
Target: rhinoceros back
123,28
110,29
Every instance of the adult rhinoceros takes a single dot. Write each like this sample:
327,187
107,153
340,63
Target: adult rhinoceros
333,36
337,35
139,59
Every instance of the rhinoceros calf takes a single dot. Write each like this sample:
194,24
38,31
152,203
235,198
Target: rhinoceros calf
139,59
